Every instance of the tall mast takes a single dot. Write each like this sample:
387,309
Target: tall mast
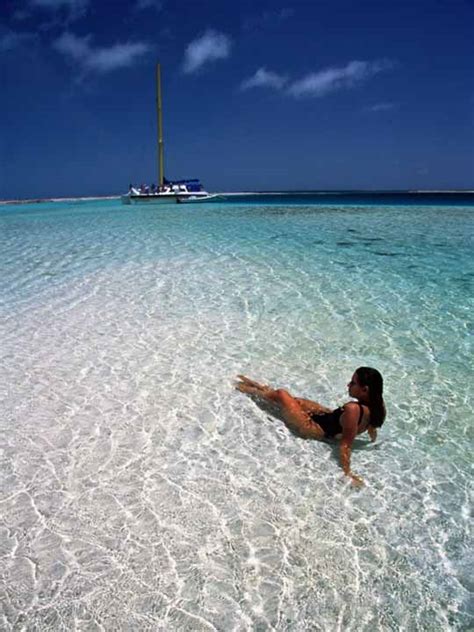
160,126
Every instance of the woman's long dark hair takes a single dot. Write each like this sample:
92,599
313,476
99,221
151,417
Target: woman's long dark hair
374,381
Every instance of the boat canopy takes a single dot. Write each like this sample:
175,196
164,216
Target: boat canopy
192,184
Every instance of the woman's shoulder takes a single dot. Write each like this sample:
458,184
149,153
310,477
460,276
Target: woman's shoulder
353,406
357,408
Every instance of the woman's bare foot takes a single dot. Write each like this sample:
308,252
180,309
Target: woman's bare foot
248,390
250,382
246,385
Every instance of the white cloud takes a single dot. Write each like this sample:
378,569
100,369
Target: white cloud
264,78
76,47
97,59
209,47
117,56
332,79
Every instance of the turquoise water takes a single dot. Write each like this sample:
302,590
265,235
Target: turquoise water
140,491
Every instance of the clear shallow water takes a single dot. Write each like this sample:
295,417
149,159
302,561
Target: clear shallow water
140,491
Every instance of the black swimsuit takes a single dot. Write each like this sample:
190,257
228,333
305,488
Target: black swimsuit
330,423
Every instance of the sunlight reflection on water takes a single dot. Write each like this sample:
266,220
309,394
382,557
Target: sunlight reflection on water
141,491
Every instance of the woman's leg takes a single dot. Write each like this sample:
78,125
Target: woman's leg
255,388
292,411
295,417
312,407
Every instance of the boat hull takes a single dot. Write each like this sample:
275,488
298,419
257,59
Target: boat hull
150,199
163,198
199,199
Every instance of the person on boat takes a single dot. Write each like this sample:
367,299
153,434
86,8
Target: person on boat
310,420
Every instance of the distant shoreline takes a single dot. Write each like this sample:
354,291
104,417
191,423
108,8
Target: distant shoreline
348,192
64,199
358,192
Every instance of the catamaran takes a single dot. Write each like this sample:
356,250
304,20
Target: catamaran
180,191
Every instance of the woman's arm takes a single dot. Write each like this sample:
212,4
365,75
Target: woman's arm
349,422
372,433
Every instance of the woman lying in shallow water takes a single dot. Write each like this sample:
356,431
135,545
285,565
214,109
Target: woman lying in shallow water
310,420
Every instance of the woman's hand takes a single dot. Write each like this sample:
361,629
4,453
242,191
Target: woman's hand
372,433
356,481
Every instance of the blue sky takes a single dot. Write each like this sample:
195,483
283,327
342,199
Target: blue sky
339,94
